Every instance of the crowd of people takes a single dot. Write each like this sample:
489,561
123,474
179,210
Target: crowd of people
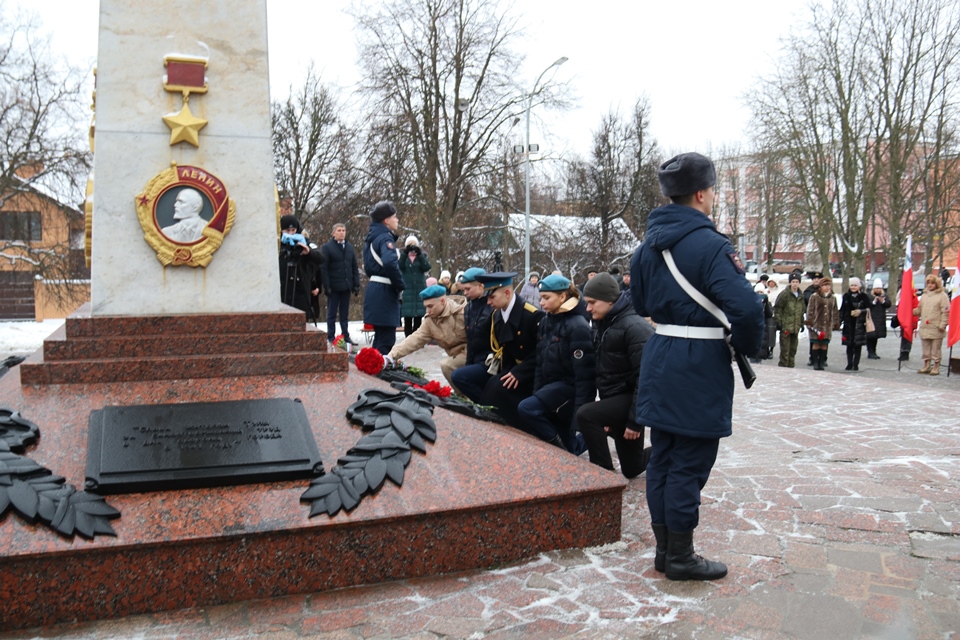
578,366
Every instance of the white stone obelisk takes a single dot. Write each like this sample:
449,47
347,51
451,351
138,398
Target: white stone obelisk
133,144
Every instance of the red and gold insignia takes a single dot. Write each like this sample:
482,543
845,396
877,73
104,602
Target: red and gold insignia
185,212
735,259
185,75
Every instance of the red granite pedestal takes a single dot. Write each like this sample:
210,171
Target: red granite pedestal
482,495
130,348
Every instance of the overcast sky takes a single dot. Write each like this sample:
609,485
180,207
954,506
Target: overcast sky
692,59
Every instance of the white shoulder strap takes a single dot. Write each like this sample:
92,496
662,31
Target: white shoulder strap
375,255
698,297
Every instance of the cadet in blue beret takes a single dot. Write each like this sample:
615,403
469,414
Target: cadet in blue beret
443,324
688,351
506,375
565,376
476,317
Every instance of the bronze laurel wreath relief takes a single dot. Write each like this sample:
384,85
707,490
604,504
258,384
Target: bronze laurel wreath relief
398,422
35,494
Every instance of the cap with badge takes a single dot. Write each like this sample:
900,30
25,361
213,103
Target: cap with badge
815,275
554,284
496,280
433,291
795,276
470,275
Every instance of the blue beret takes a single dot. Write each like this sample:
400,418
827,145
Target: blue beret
496,280
433,291
554,283
470,275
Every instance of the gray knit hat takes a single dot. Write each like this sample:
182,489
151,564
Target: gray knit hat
602,286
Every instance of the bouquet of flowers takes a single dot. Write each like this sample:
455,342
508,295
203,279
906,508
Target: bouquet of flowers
341,343
434,388
372,362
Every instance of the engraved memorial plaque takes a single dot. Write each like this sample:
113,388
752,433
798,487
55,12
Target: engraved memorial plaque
201,444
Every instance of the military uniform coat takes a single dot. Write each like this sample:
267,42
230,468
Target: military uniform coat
381,304
518,339
686,385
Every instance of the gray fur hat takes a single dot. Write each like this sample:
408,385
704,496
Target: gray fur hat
685,174
382,210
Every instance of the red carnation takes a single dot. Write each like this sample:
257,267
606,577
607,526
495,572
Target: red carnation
370,361
432,387
444,392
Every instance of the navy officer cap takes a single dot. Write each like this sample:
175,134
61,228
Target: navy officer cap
433,291
497,279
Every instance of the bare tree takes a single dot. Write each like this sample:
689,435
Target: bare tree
43,157
313,149
619,181
444,72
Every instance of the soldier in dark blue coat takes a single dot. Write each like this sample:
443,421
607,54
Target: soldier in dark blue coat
565,377
476,317
381,304
506,376
688,356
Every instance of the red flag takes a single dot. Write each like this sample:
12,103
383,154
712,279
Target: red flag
908,296
953,331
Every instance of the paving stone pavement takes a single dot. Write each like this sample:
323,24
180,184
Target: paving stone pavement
835,505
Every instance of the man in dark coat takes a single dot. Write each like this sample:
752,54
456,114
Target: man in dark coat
381,304
686,380
300,260
476,316
513,346
340,278
619,335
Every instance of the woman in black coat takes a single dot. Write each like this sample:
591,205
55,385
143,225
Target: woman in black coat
565,377
878,313
853,315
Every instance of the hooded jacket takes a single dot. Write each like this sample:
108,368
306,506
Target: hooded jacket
686,385
934,311
381,303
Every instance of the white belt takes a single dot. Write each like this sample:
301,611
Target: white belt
381,280
699,333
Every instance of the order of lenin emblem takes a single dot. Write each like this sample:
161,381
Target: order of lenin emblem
185,212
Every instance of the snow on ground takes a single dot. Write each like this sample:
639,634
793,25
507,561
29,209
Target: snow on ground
25,337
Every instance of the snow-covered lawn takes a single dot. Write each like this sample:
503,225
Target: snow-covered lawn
25,337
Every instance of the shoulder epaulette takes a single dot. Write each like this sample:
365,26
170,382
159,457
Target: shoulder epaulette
529,307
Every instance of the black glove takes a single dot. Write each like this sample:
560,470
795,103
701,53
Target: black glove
356,291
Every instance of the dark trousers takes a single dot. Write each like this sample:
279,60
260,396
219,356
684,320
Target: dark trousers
611,412
338,302
506,401
384,338
853,354
872,345
678,470
471,380
549,413
411,324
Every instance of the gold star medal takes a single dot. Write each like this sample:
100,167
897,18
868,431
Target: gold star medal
185,75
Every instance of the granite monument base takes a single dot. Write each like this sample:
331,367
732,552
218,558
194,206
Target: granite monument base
131,348
482,495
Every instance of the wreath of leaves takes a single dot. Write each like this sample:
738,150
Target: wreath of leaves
398,422
34,493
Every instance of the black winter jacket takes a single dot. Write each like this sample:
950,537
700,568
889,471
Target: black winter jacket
855,328
341,272
565,354
618,342
476,322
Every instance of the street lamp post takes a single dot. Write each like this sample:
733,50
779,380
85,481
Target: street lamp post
526,215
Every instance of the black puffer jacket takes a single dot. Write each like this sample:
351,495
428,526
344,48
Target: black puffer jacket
565,354
618,342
